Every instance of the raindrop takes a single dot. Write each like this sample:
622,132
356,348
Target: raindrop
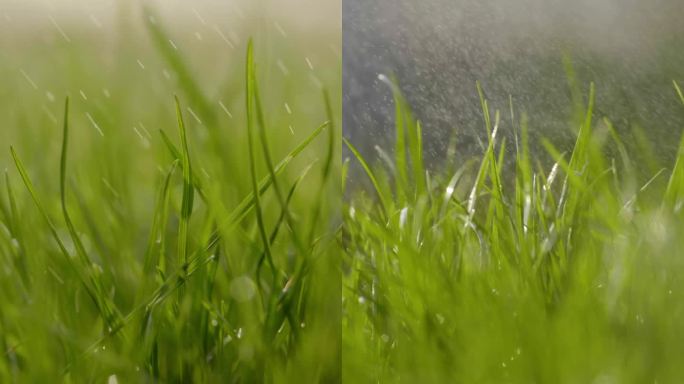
230,115
92,121
28,78
61,31
308,62
194,115
282,67
140,64
95,21
50,96
198,16
228,42
280,29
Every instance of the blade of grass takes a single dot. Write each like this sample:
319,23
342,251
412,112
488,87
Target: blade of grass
110,313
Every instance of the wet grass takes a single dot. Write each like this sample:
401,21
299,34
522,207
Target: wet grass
561,272
194,249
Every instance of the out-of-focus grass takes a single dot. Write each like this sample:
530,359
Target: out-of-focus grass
560,274
143,255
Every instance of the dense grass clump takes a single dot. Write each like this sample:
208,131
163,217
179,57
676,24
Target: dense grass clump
203,252
565,273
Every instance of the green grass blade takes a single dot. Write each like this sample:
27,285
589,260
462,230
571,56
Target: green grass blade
188,189
679,91
110,313
383,201
251,147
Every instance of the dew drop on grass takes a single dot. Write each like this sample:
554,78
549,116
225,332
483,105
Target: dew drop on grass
362,300
112,380
238,333
214,323
227,339
402,217
385,338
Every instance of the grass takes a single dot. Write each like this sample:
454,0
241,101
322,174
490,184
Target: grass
213,250
151,259
477,273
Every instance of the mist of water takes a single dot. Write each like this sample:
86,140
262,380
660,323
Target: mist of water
631,49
